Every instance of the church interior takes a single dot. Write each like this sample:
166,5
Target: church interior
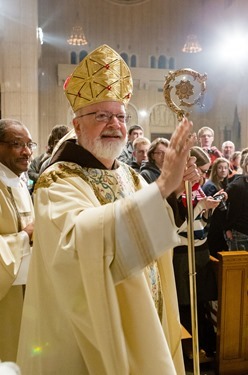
150,34
153,37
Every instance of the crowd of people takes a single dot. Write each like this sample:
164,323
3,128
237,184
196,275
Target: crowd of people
94,271
227,169
224,177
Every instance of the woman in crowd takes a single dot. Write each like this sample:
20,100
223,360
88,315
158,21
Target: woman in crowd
243,154
234,165
217,183
150,170
237,217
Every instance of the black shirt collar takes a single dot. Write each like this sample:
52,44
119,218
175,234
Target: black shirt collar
70,151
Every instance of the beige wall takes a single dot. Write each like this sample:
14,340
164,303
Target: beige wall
152,28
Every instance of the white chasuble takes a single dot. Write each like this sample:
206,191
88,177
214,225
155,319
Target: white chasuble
88,307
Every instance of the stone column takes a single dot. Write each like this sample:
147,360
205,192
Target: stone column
19,62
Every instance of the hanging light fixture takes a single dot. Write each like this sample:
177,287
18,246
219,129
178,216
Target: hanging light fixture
192,44
77,37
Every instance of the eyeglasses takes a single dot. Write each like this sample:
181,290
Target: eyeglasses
203,171
102,116
18,145
159,152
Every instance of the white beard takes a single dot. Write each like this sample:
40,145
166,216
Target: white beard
103,148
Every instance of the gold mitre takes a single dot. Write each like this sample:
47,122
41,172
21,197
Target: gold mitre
101,76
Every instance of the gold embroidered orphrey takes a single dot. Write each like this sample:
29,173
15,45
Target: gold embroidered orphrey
184,90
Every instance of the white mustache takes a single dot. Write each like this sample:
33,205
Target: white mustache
112,133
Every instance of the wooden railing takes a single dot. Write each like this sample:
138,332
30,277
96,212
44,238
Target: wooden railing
232,316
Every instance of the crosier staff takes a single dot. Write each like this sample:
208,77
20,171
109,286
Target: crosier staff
184,90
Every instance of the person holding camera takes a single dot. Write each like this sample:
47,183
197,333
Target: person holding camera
215,187
206,138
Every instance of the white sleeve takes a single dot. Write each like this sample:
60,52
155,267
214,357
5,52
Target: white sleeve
13,247
144,230
22,273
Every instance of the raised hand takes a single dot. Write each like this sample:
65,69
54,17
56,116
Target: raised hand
209,203
176,157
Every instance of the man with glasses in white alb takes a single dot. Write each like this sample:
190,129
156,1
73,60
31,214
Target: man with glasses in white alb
16,230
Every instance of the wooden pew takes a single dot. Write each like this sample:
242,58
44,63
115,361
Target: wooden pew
232,316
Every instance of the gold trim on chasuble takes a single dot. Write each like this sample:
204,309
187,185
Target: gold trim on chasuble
108,185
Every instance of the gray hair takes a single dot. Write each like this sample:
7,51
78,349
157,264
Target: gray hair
224,144
6,123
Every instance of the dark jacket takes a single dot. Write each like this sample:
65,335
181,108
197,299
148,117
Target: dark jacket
216,237
149,172
135,166
237,217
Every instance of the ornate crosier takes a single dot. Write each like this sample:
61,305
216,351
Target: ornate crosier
184,90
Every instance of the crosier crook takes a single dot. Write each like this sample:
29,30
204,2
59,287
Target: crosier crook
184,90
